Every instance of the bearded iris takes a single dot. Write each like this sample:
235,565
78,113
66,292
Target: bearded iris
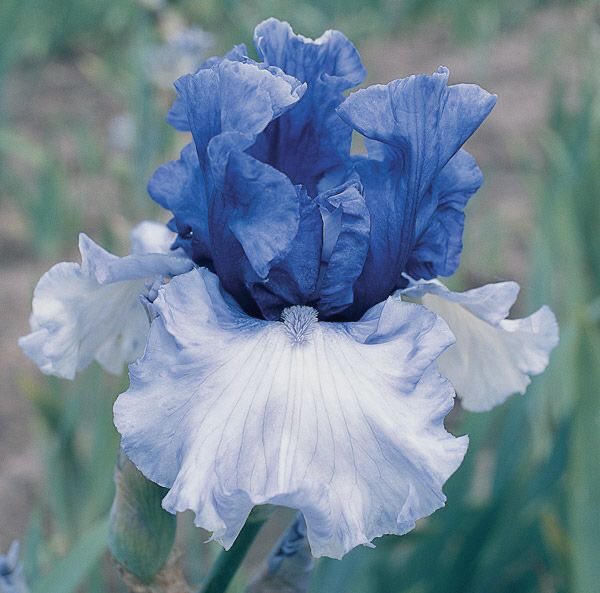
289,367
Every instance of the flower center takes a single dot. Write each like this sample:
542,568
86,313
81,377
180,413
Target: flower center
299,322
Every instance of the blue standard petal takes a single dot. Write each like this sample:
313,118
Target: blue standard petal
310,139
416,125
346,242
266,237
237,98
177,115
232,212
439,235
295,278
179,186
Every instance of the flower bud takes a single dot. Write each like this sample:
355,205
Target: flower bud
141,533
289,566
11,572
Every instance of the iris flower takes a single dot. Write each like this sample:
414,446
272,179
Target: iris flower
303,352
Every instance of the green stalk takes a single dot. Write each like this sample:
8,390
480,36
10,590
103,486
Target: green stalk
227,563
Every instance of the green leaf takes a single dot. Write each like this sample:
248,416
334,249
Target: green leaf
584,478
68,572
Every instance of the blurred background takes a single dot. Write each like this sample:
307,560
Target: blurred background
84,88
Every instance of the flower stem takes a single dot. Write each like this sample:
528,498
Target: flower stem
227,563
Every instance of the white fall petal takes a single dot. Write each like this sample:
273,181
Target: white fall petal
93,310
343,421
493,357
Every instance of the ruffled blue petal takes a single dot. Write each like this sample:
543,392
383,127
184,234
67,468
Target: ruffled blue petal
416,125
266,237
310,139
179,186
177,115
235,97
259,207
226,105
295,278
439,235
391,231
420,119
347,229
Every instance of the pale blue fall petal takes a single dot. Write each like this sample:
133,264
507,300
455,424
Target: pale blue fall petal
493,357
343,421
93,310
415,126
439,233
310,139
106,268
74,318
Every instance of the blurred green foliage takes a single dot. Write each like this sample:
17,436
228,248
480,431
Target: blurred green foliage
68,531
568,267
469,20
524,509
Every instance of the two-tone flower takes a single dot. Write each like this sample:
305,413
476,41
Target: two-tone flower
308,358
